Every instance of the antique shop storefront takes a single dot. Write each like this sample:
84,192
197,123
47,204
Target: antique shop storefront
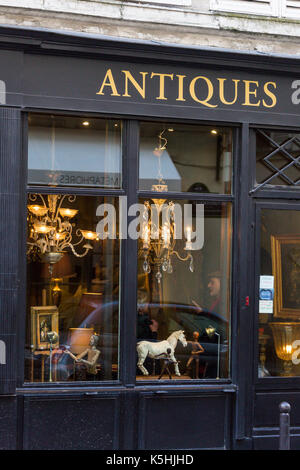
131,319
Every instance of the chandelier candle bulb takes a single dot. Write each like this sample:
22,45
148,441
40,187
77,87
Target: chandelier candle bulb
288,349
89,235
41,228
59,235
49,235
188,234
146,237
37,210
67,212
166,236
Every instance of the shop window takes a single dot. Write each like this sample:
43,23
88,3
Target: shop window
72,151
72,320
185,158
277,159
279,311
184,266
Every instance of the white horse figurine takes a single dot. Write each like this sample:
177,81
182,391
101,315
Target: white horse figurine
160,349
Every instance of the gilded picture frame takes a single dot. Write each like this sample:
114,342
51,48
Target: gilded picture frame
285,250
43,320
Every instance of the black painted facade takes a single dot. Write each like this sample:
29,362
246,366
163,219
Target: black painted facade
240,413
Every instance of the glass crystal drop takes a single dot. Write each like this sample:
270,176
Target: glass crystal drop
158,276
192,265
170,268
146,267
165,266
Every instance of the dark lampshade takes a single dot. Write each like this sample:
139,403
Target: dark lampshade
62,269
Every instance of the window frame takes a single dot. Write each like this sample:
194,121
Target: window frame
208,197
128,248
78,191
280,192
277,198
277,381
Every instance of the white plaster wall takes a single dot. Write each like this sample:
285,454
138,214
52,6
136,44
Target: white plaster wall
188,22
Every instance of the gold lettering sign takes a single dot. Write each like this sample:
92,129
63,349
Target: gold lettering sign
207,91
139,88
162,83
108,82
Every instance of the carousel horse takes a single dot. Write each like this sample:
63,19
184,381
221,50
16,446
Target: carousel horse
160,349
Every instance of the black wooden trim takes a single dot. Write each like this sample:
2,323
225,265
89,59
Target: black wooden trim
283,194
244,329
235,264
21,320
190,196
167,112
10,184
53,41
267,383
79,191
30,400
129,260
143,119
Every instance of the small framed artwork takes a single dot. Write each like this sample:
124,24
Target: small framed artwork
43,320
286,272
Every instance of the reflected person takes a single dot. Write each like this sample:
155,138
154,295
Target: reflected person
214,288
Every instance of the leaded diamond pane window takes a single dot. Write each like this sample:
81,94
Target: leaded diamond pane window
277,159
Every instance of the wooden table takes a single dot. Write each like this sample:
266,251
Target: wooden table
44,353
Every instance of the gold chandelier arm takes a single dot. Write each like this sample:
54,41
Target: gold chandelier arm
188,256
33,198
79,234
59,206
43,245
88,248
65,242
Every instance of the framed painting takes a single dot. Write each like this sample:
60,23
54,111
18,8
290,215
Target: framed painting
286,271
43,320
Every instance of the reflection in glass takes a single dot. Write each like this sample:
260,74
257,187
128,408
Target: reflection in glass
185,158
196,302
71,151
279,301
72,291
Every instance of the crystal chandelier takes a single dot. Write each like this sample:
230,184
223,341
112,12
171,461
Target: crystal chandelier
51,232
159,228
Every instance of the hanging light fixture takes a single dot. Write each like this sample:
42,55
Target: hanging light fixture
159,228
51,232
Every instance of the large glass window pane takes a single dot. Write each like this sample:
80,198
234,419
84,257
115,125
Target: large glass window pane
184,287
73,151
72,291
185,158
279,294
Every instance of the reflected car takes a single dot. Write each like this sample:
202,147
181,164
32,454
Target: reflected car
213,336
212,329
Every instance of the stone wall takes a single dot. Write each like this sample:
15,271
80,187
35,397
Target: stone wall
188,22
